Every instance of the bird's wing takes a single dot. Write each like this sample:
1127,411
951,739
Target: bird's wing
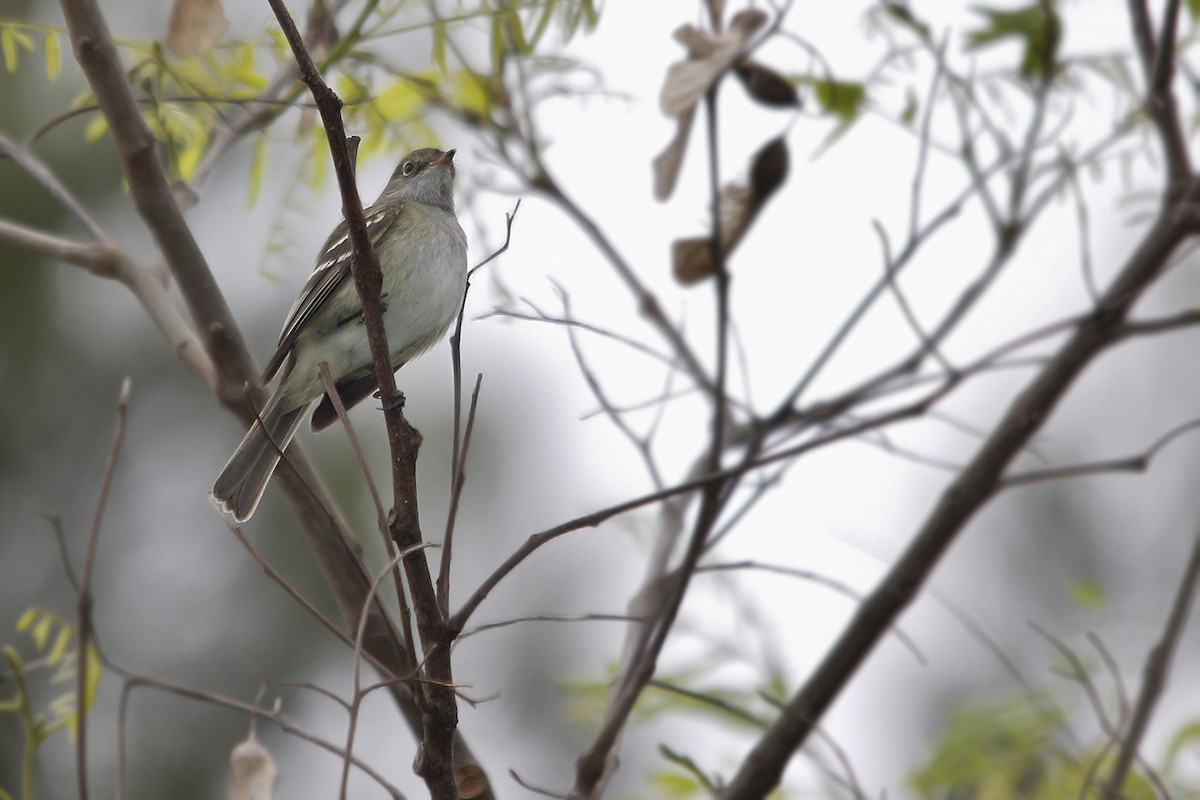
333,267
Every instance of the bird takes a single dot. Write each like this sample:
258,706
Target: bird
423,259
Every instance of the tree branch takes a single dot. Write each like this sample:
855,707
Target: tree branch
979,481
436,701
1158,666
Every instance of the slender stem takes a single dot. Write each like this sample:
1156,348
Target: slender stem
1158,666
83,598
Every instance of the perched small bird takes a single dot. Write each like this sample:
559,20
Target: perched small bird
423,256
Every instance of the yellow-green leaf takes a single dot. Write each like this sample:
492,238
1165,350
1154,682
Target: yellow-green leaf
242,67
8,43
41,631
841,98
189,159
470,94
399,101
61,643
53,56
675,784
96,128
280,40
258,168
439,46
516,30
91,684
26,619
497,47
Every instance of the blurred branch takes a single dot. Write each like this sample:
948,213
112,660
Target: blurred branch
647,301
1154,681
133,680
339,556
978,482
595,518
83,595
1135,463
1158,68
151,193
104,259
37,169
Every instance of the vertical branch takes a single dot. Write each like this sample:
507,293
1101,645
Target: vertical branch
1158,666
436,701
1158,67
597,761
83,597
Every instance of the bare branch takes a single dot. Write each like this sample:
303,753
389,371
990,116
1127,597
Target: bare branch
1158,67
435,759
1157,669
1135,463
83,596
151,191
105,260
978,482
38,170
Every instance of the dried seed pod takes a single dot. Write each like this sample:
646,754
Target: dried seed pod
766,85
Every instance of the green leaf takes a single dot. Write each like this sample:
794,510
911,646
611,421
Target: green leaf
1193,7
53,57
1040,30
516,30
900,12
843,99
497,44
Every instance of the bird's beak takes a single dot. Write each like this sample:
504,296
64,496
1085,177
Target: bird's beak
445,159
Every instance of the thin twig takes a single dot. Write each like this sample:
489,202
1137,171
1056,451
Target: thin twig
83,597
1155,674
976,484
458,451
133,680
1135,463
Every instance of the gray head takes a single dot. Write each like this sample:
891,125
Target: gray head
425,175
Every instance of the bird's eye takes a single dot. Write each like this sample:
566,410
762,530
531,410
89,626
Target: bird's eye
408,167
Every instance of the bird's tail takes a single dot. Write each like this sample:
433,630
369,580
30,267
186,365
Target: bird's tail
241,484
